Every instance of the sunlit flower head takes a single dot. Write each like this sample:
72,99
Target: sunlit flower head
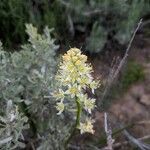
87,126
74,77
74,70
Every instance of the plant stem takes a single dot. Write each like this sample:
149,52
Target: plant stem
77,123
79,109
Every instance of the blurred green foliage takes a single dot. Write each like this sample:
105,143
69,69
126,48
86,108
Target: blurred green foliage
15,13
106,22
102,22
134,72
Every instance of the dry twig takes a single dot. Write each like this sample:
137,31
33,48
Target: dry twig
136,142
108,132
116,145
122,62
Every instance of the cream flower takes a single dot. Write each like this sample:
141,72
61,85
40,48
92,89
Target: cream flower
74,75
60,95
60,107
73,90
89,104
94,85
87,126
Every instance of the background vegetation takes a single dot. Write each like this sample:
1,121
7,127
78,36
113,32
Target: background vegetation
103,24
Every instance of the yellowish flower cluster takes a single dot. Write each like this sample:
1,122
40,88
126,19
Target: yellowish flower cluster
75,75
87,126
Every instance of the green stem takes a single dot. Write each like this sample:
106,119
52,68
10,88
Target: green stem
77,123
79,109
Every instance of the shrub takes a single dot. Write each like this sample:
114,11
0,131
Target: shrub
26,78
12,123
